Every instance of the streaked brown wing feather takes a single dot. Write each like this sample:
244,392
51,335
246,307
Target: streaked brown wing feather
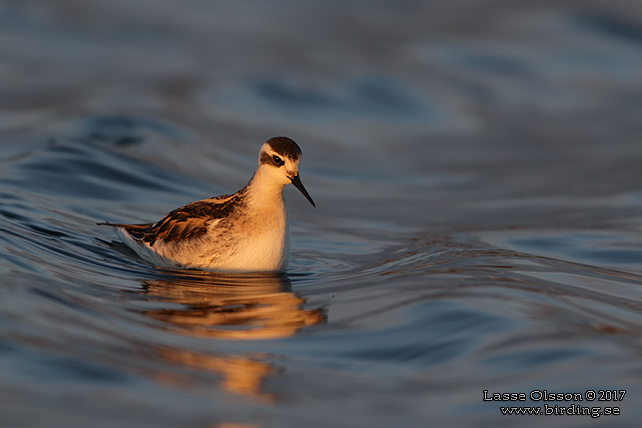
184,223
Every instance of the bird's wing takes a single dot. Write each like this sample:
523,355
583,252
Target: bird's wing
183,224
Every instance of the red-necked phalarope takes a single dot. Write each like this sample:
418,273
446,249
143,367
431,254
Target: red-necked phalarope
246,231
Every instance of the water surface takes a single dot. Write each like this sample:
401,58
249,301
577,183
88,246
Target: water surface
476,171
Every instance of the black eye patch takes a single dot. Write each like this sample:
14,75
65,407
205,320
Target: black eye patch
278,161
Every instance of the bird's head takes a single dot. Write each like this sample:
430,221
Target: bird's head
279,160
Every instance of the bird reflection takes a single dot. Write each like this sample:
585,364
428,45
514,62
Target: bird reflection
228,307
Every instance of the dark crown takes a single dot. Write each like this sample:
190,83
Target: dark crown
285,147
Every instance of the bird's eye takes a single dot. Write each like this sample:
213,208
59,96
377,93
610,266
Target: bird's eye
277,160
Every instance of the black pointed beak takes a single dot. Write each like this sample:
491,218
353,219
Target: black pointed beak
297,183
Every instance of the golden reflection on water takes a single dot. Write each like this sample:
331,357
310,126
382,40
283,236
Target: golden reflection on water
229,307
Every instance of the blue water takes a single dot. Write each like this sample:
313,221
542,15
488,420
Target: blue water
476,167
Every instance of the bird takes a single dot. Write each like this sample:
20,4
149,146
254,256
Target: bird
247,231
